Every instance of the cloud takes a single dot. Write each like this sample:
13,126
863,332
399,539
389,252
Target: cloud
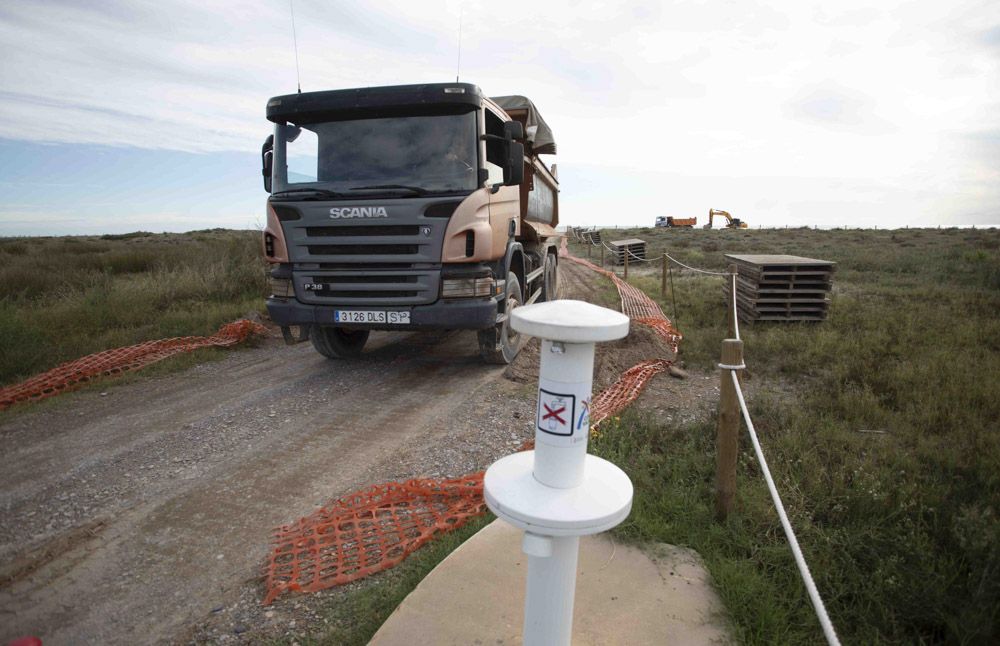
838,107
903,96
991,37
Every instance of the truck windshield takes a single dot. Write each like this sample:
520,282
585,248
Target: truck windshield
433,154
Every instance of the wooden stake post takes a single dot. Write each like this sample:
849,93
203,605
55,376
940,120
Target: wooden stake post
602,255
663,277
727,432
625,250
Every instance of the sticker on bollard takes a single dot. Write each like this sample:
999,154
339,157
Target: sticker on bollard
563,412
556,412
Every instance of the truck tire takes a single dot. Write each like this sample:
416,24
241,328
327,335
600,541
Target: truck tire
338,342
550,278
500,343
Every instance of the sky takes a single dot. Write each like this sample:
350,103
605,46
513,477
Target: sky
118,116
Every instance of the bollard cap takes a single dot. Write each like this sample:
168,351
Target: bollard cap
570,322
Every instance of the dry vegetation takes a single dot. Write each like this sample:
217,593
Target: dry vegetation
899,525
61,298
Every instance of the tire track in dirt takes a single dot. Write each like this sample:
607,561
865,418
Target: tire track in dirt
188,474
185,475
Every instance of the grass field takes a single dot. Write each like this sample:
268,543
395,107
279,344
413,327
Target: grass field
61,298
900,526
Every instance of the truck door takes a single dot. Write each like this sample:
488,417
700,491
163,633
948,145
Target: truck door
505,202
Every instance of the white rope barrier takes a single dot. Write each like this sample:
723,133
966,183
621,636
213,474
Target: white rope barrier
590,239
671,258
824,619
800,561
629,252
700,271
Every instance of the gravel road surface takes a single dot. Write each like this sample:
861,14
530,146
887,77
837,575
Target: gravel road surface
131,511
142,512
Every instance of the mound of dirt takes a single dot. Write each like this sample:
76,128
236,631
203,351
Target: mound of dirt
611,359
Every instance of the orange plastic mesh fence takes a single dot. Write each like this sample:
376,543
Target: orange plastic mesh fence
635,303
368,531
626,390
74,374
375,529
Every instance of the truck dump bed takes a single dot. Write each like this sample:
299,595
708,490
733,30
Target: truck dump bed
539,192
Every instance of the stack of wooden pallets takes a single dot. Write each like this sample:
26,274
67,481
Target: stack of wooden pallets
635,247
781,288
593,236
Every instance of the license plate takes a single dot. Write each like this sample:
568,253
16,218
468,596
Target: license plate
371,316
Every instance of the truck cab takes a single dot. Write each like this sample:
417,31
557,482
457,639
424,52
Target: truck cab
406,207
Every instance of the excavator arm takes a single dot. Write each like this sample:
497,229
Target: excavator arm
731,222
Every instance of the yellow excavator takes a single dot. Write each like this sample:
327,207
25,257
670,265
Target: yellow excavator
731,222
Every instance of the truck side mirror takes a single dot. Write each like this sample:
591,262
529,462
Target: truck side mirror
513,130
513,170
266,157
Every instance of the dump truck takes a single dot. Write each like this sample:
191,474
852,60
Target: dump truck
670,221
413,207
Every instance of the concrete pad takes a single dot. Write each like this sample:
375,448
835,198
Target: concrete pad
624,595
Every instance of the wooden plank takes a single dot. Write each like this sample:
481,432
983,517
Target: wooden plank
790,318
782,306
782,273
775,259
807,299
749,316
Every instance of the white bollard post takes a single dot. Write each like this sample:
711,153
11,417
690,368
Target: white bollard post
558,493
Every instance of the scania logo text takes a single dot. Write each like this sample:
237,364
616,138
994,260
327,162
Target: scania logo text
359,212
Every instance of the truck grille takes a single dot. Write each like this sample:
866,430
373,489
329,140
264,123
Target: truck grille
380,288
370,230
362,250
386,261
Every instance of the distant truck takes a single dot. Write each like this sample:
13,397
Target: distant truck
409,207
669,221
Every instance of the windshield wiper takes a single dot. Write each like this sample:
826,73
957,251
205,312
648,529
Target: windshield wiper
316,192
416,189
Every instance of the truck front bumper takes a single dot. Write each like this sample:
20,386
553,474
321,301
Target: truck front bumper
465,314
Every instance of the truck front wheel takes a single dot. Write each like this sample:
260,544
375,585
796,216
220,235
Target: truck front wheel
500,343
550,281
338,342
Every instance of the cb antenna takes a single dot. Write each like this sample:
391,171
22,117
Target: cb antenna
458,67
295,41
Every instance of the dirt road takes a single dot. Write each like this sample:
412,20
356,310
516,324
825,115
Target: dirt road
130,515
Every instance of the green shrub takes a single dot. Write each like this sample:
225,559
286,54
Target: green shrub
879,425
67,297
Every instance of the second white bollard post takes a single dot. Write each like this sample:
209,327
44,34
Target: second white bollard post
558,493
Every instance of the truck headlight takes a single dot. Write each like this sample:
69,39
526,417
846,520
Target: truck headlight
467,287
281,288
